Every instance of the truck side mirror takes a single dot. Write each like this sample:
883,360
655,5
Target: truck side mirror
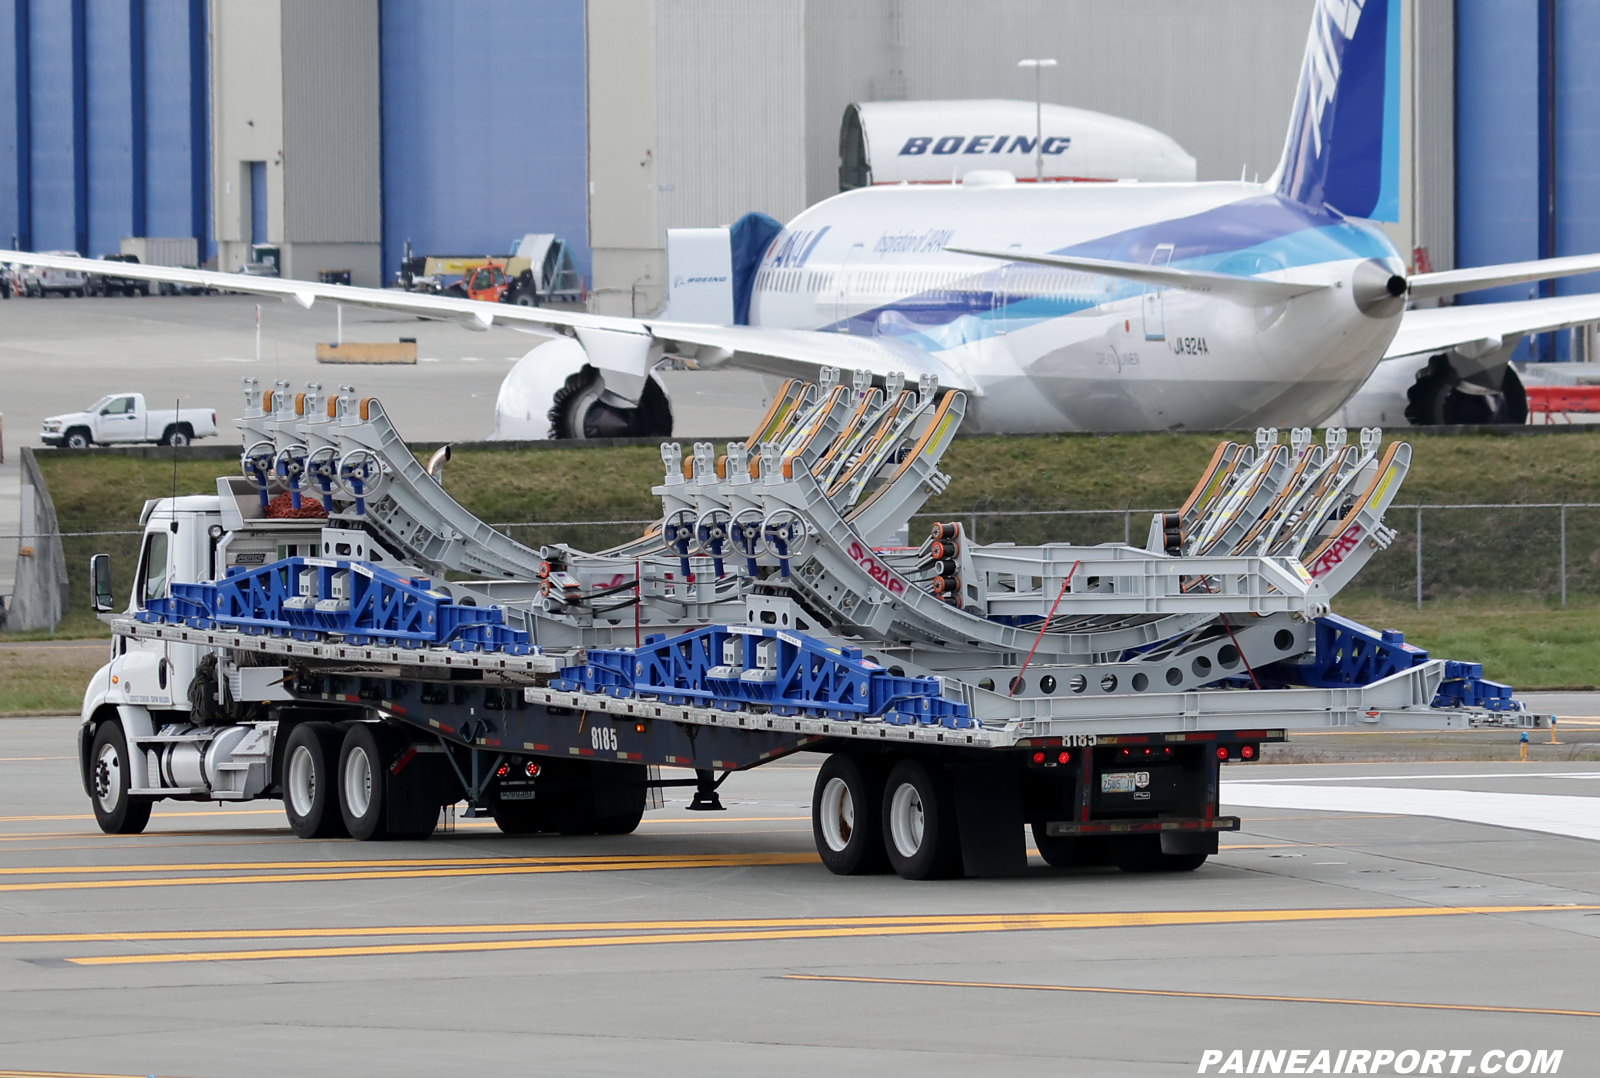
100,583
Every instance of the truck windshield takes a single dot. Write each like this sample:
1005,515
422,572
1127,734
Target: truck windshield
153,569
99,404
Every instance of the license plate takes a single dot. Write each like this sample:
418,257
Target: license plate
1123,782
516,795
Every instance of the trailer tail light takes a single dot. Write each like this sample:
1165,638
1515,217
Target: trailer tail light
531,770
1222,752
1038,757
1064,758
1248,752
504,770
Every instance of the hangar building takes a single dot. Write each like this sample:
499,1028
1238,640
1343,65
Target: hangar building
338,132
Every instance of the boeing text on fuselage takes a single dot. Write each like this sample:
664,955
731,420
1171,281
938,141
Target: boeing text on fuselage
1054,145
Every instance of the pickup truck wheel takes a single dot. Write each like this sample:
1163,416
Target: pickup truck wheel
176,436
845,821
364,760
1070,851
78,438
919,823
115,810
310,789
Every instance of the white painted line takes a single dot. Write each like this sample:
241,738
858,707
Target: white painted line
1555,814
1441,776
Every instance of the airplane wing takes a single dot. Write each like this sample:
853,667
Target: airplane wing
1485,326
1250,291
769,351
799,352
1449,282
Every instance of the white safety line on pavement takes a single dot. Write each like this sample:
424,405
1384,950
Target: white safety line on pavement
1555,814
1443,776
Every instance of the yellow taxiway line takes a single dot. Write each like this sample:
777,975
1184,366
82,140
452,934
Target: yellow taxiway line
633,933
464,869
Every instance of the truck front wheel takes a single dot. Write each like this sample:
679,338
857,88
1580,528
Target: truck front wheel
115,810
310,791
78,438
845,816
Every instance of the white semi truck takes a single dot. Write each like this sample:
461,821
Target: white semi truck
333,630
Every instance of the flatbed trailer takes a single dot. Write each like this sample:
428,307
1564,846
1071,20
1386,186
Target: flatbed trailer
299,636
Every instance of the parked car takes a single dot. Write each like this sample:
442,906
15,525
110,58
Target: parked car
40,282
100,285
123,417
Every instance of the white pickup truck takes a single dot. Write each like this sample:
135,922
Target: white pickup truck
122,418
40,282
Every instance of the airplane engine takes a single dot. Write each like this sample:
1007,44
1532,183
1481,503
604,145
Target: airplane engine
561,390
1447,389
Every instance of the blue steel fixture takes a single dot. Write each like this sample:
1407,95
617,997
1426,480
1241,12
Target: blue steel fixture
1349,653
732,667
309,599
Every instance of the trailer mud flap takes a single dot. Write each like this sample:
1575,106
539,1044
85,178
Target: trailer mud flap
988,801
1189,842
417,789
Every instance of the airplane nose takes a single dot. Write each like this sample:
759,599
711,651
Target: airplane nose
1378,292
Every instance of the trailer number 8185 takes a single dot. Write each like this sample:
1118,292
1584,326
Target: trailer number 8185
603,737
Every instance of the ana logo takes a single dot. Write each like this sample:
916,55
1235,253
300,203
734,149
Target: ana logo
791,249
950,144
876,570
1334,23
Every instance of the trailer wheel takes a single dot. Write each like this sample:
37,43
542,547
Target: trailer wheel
364,760
310,790
845,816
115,810
1070,851
520,817
919,823
1142,853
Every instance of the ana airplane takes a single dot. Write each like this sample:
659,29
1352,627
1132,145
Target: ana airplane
1082,306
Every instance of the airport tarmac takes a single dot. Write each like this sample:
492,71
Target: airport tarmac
59,355
1361,907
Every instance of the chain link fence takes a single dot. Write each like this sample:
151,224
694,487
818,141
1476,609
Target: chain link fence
1546,552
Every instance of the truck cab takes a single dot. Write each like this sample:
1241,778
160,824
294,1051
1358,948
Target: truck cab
145,685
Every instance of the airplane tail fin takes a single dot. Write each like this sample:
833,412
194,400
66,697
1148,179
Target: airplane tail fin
1343,150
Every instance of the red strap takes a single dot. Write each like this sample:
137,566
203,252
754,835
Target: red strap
1042,626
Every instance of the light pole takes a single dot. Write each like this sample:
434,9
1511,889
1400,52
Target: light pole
1038,115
